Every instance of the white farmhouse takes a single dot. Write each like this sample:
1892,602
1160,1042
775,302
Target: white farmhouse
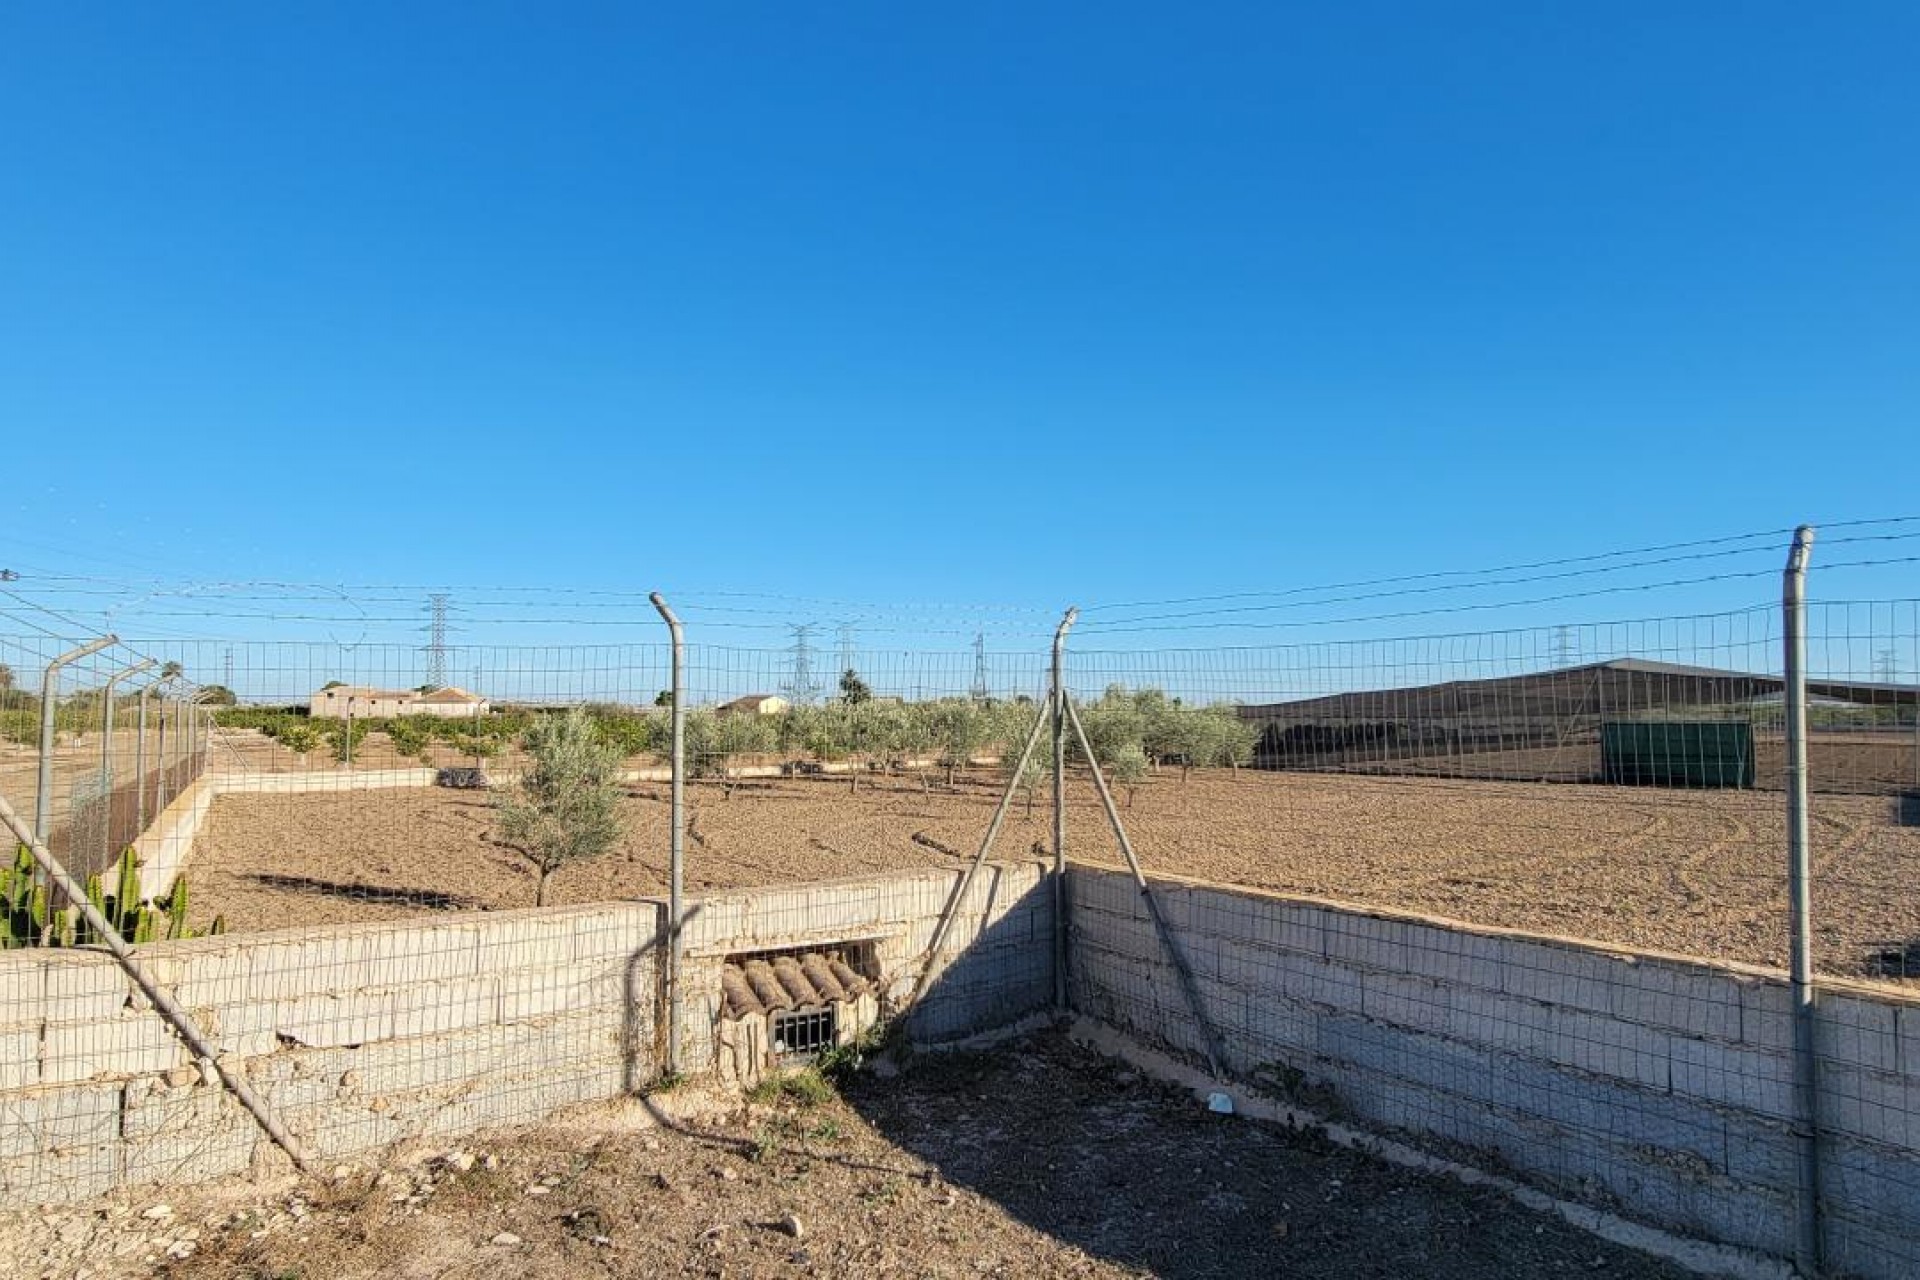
754,704
449,703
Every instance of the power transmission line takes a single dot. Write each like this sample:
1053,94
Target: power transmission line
801,686
1563,652
437,639
846,647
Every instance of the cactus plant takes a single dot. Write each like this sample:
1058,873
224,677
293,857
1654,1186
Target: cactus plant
177,909
31,920
16,880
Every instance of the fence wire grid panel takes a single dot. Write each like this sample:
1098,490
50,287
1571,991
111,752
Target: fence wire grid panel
355,1038
340,785
1618,782
126,736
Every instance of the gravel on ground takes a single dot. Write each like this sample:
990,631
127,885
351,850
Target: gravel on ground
1040,1159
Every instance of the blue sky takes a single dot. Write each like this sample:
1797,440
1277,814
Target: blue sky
1014,304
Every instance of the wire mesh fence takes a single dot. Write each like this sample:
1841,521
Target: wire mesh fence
341,785
123,733
350,786
1863,718
1618,782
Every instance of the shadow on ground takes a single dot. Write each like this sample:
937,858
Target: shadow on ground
1127,1171
1899,960
425,899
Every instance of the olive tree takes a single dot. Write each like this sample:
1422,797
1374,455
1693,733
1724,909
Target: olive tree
1117,725
565,805
1014,721
1114,723
918,737
880,733
1132,732
960,731
1126,767
712,739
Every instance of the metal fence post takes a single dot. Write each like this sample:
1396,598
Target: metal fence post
140,758
162,788
1058,704
677,800
49,693
106,750
1793,598
160,756
191,738
201,743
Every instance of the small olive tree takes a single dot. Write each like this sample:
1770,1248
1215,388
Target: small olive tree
960,730
713,739
565,806
1015,723
1127,767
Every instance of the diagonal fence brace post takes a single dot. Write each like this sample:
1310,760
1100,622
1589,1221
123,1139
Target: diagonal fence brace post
961,889
163,1002
1168,939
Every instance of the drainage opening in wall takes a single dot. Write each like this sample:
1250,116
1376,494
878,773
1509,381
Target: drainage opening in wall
785,1007
802,1033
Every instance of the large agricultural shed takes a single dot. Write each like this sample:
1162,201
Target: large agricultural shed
1551,725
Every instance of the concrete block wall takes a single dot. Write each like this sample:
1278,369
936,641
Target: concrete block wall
325,779
365,1035
1656,1086
164,848
358,1035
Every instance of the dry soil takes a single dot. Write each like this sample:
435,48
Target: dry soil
1041,1160
1696,872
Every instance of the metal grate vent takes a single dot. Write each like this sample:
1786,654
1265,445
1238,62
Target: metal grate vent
802,1033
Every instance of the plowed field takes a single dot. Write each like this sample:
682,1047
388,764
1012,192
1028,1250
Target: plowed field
1699,872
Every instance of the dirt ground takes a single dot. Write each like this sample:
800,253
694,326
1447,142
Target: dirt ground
1039,1160
1696,872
